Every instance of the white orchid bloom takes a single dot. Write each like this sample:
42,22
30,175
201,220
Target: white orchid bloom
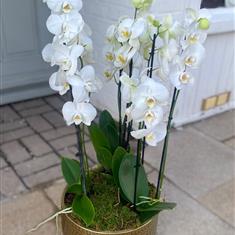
129,86
58,82
152,135
109,73
178,75
151,117
85,79
78,113
110,34
65,26
194,36
63,56
123,55
193,55
64,6
109,53
150,94
130,29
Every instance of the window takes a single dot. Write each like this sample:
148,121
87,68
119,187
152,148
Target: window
212,3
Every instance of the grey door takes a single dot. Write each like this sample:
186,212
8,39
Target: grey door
23,34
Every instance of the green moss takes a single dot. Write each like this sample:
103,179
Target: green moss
112,214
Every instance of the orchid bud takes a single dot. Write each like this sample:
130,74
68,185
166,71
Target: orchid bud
203,24
142,4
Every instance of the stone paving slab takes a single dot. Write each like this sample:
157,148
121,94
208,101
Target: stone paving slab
221,201
15,152
10,126
16,134
22,214
36,145
196,163
55,118
10,183
7,114
37,164
35,111
55,192
2,163
230,143
43,177
38,123
220,127
189,217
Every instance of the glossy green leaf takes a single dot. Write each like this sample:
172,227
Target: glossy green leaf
112,136
127,179
98,138
160,206
83,208
75,188
71,171
104,157
146,212
116,162
106,119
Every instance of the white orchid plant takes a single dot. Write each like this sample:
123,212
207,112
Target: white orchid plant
146,57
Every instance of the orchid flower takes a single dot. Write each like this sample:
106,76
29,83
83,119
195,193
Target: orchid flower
151,116
152,135
64,6
63,56
58,82
193,55
150,94
85,79
124,55
130,29
129,86
65,26
178,75
78,113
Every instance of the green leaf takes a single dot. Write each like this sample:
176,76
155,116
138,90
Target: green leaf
83,208
75,188
126,176
159,206
109,128
98,138
104,157
148,211
112,136
145,216
106,119
116,162
71,171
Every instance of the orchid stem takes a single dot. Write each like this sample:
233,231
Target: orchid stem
165,147
150,74
80,154
137,167
120,109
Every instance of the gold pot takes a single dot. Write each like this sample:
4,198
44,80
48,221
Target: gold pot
70,227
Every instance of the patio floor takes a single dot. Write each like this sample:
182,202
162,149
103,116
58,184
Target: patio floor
200,174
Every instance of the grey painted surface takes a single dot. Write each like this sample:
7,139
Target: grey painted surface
23,35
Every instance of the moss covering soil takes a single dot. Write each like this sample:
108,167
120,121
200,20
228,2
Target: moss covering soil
112,213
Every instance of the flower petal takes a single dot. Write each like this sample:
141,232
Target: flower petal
69,110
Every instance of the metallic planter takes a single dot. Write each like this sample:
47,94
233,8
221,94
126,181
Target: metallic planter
69,227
